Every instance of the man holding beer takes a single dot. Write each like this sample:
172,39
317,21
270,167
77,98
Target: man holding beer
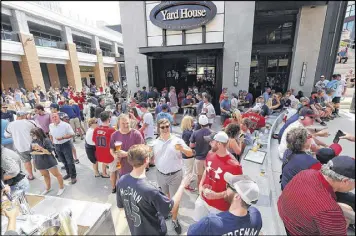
167,151
120,143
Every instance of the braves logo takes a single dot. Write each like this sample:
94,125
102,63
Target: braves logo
217,172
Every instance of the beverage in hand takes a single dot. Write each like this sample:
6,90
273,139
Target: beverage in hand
118,165
118,145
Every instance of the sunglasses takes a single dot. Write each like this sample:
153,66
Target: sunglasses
164,127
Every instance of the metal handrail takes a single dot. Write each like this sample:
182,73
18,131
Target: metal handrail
108,54
86,50
10,36
49,43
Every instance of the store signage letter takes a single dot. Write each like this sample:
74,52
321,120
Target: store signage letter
182,15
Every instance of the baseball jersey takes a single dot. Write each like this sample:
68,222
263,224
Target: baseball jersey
216,167
101,138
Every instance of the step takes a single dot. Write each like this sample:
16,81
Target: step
345,106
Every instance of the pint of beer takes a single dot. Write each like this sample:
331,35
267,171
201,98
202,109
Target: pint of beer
118,146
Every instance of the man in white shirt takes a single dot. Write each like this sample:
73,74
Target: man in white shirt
167,151
339,91
208,109
306,118
19,130
61,134
147,122
321,84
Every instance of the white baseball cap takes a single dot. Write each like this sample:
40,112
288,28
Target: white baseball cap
203,120
244,186
221,137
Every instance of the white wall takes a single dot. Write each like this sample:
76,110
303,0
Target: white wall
310,24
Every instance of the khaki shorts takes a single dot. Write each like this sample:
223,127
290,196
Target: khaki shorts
113,166
75,123
199,166
174,110
25,156
202,209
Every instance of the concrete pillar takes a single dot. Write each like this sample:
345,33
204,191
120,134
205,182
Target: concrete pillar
99,72
53,75
99,66
72,66
116,72
238,43
8,75
138,32
114,48
30,64
307,46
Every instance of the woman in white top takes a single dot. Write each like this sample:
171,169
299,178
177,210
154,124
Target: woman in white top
208,109
234,101
90,145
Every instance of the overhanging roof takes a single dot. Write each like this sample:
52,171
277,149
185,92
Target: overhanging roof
180,48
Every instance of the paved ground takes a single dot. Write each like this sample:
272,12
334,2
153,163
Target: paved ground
89,188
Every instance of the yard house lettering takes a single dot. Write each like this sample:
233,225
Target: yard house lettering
182,14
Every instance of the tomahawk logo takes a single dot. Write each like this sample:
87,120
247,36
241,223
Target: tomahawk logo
217,172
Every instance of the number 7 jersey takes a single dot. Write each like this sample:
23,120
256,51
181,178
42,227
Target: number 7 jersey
101,138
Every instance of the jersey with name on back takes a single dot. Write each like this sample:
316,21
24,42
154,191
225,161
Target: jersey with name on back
101,138
145,206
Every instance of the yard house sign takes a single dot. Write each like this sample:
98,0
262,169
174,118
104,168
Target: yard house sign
182,15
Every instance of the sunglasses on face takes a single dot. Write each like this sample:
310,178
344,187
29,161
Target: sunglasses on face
164,127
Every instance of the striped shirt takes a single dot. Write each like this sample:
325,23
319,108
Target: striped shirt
308,206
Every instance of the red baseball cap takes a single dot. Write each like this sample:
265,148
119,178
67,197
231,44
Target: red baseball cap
337,148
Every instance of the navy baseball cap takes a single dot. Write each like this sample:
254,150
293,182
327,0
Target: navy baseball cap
54,105
164,106
343,165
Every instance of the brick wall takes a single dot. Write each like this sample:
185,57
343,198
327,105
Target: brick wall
99,71
53,75
8,76
72,68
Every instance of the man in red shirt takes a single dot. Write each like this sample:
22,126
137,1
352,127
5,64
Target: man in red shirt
101,138
258,120
308,204
212,187
79,99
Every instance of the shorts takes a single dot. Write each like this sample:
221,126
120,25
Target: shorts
188,166
71,143
336,99
174,110
75,123
202,209
199,167
112,166
25,156
90,151
169,184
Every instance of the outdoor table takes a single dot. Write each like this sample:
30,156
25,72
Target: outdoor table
92,218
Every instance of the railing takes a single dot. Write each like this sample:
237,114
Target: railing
108,54
10,36
86,50
49,43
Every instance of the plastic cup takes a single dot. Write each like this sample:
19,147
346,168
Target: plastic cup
206,189
118,145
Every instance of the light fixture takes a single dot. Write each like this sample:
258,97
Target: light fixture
137,77
236,74
304,73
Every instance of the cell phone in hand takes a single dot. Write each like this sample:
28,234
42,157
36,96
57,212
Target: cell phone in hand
337,136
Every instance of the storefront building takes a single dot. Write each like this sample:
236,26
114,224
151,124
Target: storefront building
240,45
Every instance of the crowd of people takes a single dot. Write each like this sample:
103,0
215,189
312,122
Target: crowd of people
128,135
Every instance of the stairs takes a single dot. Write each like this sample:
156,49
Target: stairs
343,69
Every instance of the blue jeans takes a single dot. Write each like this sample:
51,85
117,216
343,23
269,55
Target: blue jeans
24,185
65,155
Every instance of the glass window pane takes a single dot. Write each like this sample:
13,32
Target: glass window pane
272,63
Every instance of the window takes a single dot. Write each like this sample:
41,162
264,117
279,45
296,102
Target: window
350,11
273,33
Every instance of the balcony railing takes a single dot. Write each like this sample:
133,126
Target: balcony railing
49,43
10,36
108,54
86,50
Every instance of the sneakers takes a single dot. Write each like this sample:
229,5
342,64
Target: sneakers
323,123
113,190
60,191
73,181
76,161
46,191
66,177
177,226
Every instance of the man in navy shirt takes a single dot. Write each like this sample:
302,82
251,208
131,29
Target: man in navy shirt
225,106
145,205
7,114
241,219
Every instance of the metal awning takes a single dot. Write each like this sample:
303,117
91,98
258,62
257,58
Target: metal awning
181,48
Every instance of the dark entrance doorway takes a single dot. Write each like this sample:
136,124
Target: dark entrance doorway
269,70
181,70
